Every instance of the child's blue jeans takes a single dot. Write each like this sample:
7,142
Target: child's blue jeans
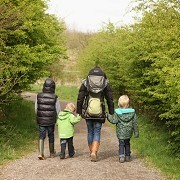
63,143
124,147
94,131
50,130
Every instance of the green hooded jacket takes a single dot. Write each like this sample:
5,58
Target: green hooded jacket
66,121
126,123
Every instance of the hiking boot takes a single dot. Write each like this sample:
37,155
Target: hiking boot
128,158
121,159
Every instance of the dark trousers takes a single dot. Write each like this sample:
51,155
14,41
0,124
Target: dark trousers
124,147
50,130
63,143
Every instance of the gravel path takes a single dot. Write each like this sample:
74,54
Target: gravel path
80,167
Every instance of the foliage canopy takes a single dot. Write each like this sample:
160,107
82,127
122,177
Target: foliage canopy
30,41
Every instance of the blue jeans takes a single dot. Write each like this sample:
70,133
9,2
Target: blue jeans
50,130
63,143
124,147
94,131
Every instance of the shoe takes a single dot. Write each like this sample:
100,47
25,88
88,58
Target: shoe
128,158
93,157
71,156
40,157
121,159
52,155
62,157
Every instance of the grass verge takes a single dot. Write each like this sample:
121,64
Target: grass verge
152,145
18,131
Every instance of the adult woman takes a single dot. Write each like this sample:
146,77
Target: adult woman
94,124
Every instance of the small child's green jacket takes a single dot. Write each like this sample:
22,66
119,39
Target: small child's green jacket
66,121
126,123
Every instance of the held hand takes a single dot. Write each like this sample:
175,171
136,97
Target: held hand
82,115
79,115
136,135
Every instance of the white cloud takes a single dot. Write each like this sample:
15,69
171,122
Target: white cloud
89,15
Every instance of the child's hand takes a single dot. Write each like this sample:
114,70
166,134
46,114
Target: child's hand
136,135
78,115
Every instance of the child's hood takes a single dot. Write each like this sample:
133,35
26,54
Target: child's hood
125,114
63,115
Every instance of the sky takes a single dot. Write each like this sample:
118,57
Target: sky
91,15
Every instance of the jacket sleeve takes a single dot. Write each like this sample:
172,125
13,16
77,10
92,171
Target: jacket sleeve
74,119
35,106
57,121
109,99
81,97
112,118
58,106
135,126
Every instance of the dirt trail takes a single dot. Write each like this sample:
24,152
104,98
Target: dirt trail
80,167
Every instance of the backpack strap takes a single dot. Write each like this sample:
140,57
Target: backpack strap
84,81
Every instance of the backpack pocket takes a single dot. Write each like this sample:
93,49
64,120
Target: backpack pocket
94,107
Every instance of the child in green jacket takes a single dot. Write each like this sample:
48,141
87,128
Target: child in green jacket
126,123
66,121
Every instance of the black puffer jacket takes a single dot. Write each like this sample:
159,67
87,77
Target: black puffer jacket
46,104
107,94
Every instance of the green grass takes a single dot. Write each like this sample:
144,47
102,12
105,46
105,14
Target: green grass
18,131
152,146
68,93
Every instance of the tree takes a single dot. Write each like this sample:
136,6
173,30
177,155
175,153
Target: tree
108,50
31,40
156,63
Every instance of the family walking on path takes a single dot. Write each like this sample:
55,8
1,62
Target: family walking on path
79,167
65,125
91,106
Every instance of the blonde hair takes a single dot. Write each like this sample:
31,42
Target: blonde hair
71,107
123,101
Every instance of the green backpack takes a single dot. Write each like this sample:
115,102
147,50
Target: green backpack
95,107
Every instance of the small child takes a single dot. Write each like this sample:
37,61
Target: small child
66,121
126,123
